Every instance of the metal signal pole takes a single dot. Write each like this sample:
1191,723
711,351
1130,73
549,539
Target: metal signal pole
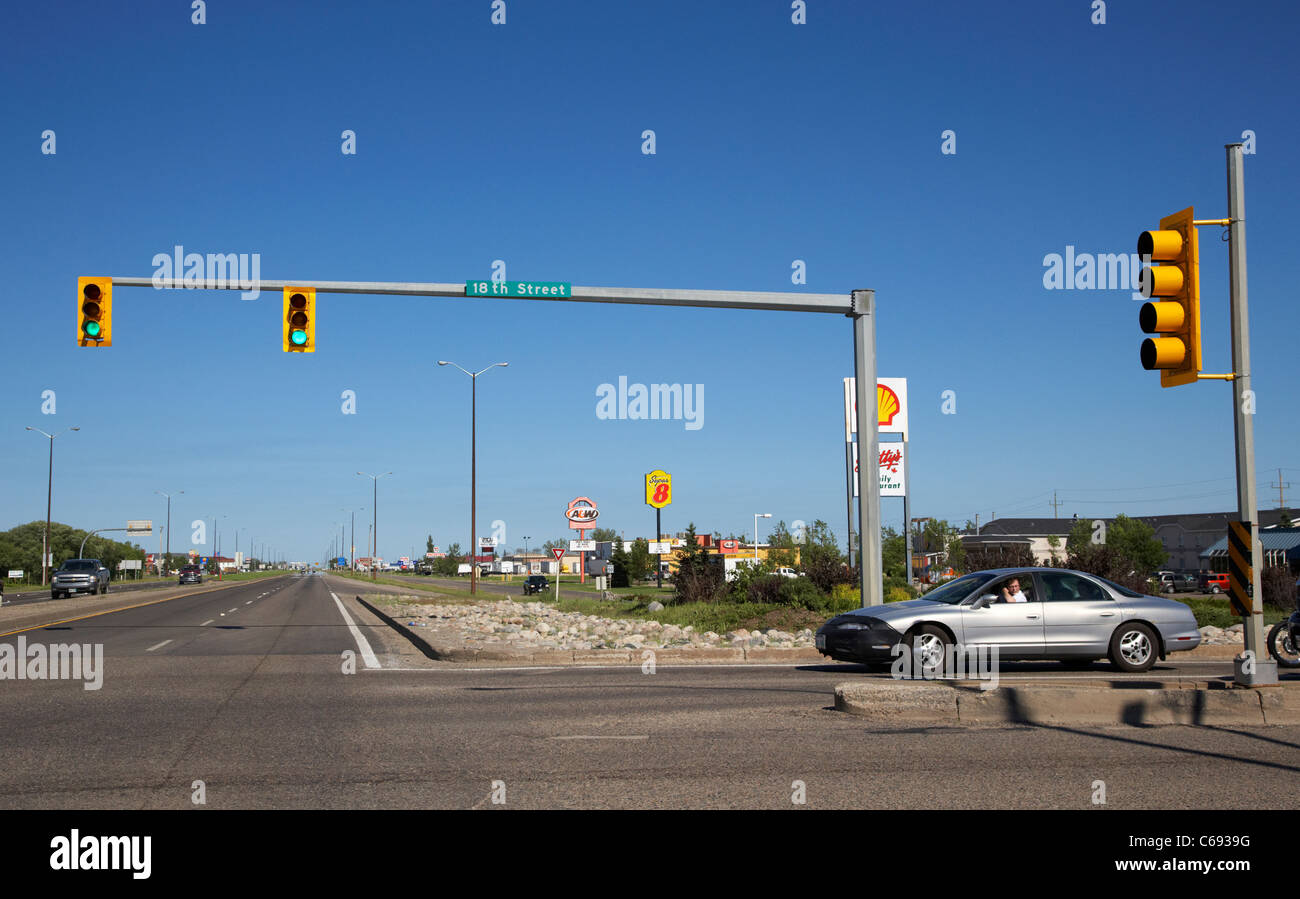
1255,666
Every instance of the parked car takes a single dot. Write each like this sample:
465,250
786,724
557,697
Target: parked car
191,574
535,583
1069,616
1217,583
1168,582
79,576
787,572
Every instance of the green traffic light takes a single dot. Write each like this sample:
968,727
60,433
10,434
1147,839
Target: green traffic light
92,329
298,337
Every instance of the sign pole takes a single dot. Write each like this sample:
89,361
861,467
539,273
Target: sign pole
659,560
848,491
864,365
1262,670
907,511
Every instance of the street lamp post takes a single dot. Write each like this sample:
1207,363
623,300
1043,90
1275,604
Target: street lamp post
49,500
166,559
757,516
473,470
374,528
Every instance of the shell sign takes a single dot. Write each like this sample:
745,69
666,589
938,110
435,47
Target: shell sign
891,407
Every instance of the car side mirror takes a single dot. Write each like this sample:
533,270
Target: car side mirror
985,601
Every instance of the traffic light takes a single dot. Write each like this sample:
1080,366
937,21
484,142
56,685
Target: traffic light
1175,283
299,327
94,312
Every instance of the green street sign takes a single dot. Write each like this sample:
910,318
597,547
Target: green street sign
521,289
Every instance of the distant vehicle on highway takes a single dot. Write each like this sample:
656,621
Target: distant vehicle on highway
79,576
1068,616
535,583
191,574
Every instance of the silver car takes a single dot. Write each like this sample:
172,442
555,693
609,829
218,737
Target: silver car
1069,616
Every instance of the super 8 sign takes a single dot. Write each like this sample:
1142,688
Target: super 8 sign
658,489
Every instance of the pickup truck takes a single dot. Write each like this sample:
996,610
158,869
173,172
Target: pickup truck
79,576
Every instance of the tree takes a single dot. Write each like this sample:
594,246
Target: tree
619,560
822,561
984,557
782,547
602,535
428,544
558,543
1136,541
893,550
699,578
448,565
639,562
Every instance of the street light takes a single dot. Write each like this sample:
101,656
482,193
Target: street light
473,470
757,516
166,559
375,524
49,499
352,549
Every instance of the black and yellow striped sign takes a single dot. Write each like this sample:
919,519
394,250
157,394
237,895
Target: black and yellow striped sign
1239,570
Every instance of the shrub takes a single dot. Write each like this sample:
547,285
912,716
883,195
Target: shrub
896,594
800,591
1279,587
764,588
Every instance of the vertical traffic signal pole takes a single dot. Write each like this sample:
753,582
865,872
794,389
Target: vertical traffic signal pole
1256,667
864,370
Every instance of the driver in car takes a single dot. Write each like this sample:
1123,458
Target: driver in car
1011,592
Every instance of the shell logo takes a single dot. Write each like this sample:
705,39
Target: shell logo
887,405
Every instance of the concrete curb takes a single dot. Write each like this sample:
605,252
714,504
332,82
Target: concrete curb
1139,704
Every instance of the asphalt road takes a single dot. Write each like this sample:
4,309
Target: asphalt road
243,689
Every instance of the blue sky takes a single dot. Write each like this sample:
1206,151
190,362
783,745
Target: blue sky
522,142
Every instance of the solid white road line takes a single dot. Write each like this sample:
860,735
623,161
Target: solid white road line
159,646
367,654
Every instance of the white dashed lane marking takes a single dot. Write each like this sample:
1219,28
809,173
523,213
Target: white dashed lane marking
158,646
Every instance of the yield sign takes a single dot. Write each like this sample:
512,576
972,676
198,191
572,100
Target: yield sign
558,552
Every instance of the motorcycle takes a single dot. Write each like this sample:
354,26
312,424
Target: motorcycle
1284,641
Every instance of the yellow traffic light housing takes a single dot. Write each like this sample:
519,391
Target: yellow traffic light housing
1175,284
94,312
299,325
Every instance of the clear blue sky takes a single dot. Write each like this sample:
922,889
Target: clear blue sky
522,142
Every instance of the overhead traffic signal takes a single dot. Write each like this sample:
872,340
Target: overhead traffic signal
299,326
1175,285
94,312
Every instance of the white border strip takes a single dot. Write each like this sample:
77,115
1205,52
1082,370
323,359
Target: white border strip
367,654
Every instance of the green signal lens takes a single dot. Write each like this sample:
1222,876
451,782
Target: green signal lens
92,329
298,337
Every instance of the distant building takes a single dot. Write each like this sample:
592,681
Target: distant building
1186,538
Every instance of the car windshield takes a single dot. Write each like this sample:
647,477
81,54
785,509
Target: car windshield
954,592
80,565
1122,591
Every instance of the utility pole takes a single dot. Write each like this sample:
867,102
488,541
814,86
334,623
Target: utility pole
1280,485
1056,506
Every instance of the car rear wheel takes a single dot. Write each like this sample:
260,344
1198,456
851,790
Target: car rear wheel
1133,648
1215,589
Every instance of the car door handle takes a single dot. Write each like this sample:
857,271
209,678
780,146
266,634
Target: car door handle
1031,616
1107,614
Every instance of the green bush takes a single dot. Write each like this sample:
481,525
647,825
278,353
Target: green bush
896,594
802,592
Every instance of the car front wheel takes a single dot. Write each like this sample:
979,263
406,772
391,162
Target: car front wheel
1133,648
930,647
